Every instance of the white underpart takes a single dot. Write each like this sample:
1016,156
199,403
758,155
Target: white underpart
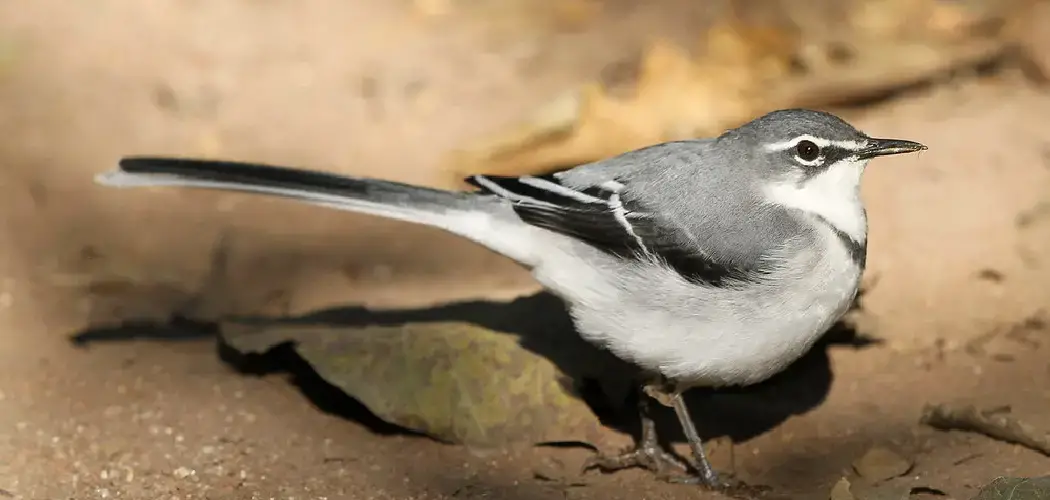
819,141
833,195
702,335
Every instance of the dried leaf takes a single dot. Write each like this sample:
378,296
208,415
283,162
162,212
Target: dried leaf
1016,488
674,98
759,57
994,424
454,381
879,464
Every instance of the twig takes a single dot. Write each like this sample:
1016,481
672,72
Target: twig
996,425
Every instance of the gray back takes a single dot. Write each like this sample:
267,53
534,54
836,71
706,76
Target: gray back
708,188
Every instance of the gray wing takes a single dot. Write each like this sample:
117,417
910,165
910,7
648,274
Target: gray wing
621,226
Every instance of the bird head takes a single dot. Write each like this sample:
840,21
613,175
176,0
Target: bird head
812,161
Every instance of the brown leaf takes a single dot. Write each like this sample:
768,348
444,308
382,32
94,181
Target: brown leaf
994,424
675,97
758,57
454,381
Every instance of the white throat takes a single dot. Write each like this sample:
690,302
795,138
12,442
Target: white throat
833,195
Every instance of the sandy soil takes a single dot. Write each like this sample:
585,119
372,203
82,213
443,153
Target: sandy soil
960,246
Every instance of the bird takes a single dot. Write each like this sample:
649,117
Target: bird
705,262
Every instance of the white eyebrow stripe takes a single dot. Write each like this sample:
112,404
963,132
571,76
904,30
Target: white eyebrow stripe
820,142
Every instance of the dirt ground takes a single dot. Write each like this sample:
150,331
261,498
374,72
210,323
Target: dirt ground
959,258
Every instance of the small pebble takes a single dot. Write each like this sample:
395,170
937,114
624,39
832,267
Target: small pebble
183,472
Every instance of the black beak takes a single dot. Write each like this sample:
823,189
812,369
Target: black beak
885,147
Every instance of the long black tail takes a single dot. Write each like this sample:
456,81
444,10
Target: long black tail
377,197
477,217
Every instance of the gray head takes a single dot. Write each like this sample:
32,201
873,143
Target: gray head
807,142
811,161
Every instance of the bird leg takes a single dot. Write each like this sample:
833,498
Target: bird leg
707,474
646,453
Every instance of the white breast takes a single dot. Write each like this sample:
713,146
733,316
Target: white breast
833,195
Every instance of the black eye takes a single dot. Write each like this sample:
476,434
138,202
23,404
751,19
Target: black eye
807,151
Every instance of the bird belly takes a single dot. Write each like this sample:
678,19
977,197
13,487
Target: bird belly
707,336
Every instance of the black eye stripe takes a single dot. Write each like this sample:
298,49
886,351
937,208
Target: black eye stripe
831,154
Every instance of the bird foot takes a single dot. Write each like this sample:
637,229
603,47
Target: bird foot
651,458
712,480
725,483
664,465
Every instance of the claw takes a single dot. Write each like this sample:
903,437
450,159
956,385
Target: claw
653,459
648,454
715,482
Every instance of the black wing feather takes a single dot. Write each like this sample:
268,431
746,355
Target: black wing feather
595,222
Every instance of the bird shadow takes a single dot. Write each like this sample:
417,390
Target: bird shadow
544,327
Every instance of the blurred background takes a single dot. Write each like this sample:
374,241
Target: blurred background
427,91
